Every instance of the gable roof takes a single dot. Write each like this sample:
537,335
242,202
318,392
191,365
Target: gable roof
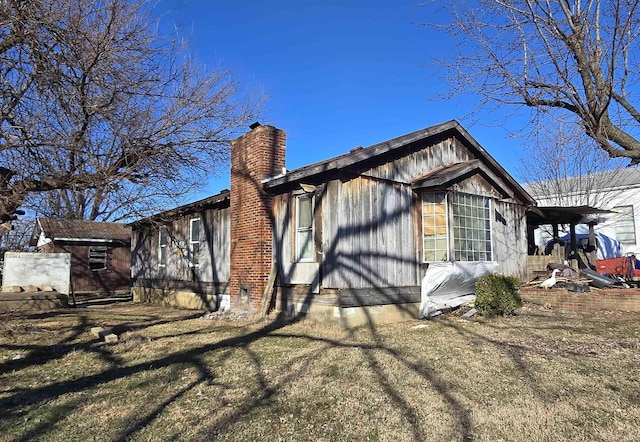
59,229
393,148
445,176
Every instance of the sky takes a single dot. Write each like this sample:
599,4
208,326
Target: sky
337,73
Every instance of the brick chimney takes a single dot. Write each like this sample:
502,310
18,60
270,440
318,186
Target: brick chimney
256,155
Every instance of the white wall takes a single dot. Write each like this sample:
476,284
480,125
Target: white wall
628,196
39,269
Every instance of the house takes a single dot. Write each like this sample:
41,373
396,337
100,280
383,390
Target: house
100,252
346,238
615,191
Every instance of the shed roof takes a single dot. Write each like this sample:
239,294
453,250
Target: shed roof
561,215
59,229
220,199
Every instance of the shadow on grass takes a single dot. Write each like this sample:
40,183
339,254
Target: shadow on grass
267,387
365,263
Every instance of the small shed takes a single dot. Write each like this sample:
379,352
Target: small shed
100,252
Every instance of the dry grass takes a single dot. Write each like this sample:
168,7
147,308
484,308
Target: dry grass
539,376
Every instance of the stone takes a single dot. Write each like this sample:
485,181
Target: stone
110,338
470,313
97,331
31,288
15,289
47,288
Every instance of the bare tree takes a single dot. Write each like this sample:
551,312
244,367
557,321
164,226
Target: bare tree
566,168
100,110
579,57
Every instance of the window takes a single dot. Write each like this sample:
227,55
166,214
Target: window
456,226
625,225
97,258
194,243
162,247
434,227
304,228
471,227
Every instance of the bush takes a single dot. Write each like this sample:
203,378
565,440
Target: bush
497,294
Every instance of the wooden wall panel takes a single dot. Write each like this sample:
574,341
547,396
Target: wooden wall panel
214,249
368,234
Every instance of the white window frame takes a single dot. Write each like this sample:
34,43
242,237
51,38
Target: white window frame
193,243
162,246
306,231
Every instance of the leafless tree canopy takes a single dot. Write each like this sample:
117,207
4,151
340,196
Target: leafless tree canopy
102,113
577,56
566,168
17,239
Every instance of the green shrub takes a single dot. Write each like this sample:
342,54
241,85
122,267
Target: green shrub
497,294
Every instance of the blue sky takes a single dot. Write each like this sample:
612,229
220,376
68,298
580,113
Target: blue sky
338,74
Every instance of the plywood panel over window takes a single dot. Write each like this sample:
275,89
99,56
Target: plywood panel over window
434,227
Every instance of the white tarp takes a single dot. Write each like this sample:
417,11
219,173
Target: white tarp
450,284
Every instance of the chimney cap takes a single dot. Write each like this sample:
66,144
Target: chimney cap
254,125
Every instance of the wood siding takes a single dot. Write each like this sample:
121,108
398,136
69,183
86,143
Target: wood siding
116,277
370,226
214,250
510,238
368,235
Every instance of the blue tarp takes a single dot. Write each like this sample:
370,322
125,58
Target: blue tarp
607,247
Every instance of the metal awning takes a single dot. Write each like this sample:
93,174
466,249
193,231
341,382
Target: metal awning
537,216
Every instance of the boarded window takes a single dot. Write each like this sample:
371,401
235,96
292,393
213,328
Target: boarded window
162,247
304,228
98,257
434,227
625,225
194,243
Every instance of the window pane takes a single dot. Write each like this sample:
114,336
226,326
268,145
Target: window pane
472,236
194,246
305,216
195,230
305,245
304,228
195,253
162,254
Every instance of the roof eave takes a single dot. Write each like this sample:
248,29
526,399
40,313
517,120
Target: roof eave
193,207
313,171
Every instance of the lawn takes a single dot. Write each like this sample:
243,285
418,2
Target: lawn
542,375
